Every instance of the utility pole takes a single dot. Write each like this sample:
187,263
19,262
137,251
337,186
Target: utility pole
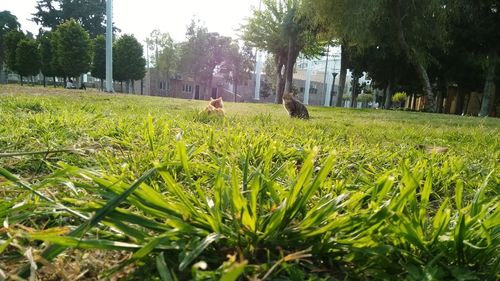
308,81
109,46
258,69
324,77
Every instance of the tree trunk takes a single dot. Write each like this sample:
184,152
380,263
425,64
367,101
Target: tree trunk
54,81
489,84
208,88
290,62
235,91
411,57
355,81
102,84
280,82
2,72
388,94
21,78
343,74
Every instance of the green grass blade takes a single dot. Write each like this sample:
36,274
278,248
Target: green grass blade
162,268
234,271
198,249
23,185
150,135
74,242
151,245
54,250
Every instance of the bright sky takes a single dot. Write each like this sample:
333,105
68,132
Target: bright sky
172,16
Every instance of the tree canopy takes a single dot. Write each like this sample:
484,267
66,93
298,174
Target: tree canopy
11,40
165,53
237,65
98,68
202,52
128,59
47,54
27,57
72,49
281,30
8,22
90,14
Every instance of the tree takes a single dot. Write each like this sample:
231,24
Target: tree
414,27
11,41
475,25
168,59
283,32
47,57
8,22
201,53
98,68
164,53
72,49
238,65
27,58
90,14
128,59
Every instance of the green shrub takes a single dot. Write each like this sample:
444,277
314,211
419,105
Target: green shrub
365,97
399,97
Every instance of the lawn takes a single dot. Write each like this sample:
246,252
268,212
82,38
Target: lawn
146,188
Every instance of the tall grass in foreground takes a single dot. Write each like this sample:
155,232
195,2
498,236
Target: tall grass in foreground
252,196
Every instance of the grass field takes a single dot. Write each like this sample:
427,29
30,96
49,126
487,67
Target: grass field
146,188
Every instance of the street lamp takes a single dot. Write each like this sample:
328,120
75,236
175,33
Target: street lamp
333,88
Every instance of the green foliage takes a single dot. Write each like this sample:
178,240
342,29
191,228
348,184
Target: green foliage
11,40
251,195
165,53
28,57
8,22
98,68
238,65
128,59
399,97
47,54
203,52
276,26
90,14
365,97
72,49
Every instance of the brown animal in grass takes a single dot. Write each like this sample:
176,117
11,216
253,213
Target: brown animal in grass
294,107
215,106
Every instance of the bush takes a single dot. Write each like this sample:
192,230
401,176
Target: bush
399,97
365,98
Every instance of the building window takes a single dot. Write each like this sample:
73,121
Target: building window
187,88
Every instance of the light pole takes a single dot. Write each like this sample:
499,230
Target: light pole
258,68
109,46
333,88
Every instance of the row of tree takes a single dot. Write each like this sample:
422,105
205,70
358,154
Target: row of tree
200,56
65,53
417,46
68,51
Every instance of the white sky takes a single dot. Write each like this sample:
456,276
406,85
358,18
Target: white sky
140,17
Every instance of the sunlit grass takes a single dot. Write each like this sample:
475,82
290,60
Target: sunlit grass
349,194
